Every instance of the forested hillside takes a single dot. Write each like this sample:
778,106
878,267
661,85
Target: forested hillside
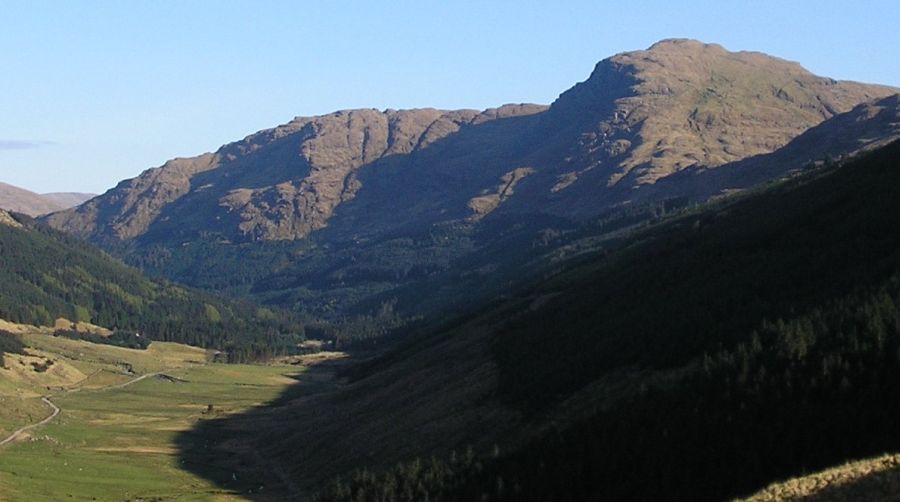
749,341
46,275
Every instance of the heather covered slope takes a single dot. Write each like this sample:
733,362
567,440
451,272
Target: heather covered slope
701,358
326,213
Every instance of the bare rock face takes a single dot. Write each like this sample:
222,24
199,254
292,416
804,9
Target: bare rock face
640,118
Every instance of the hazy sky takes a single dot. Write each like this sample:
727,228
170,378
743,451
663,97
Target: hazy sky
92,92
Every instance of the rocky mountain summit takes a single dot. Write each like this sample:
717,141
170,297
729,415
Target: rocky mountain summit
683,103
641,116
640,128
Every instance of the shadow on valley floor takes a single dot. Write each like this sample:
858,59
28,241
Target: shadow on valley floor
782,310
414,405
222,448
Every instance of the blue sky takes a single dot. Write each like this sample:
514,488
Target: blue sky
93,92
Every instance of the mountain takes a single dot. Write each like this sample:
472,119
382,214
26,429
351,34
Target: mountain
703,357
331,214
46,275
23,201
278,184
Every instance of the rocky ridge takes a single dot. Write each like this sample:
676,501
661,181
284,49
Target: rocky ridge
640,117
356,202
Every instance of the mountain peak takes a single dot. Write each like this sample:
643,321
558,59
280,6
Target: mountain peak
684,103
684,44
640,116
694,50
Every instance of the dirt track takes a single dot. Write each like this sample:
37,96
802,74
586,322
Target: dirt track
12,437
15,435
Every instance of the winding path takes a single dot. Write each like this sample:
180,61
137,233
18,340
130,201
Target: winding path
46,399
15,435
133,380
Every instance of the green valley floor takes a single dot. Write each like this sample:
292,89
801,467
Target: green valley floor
120,412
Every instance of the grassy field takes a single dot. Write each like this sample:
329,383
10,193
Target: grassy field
114,442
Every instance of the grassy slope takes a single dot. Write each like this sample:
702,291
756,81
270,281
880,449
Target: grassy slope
120,443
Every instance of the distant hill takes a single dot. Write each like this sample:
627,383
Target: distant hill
46,275
327,214
699,358
24,201
68,199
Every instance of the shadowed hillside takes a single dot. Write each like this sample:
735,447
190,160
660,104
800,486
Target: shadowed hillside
701,358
